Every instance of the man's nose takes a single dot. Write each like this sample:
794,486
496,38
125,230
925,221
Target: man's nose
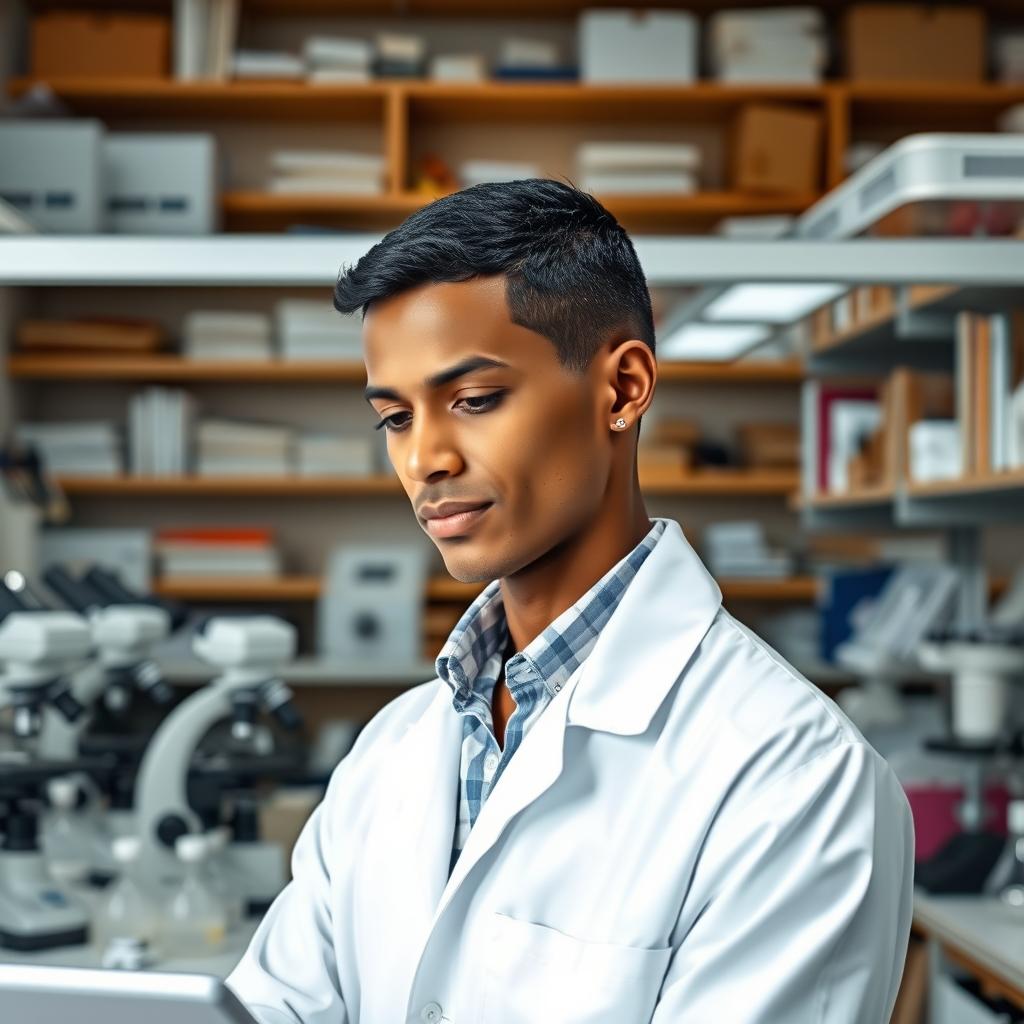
431,453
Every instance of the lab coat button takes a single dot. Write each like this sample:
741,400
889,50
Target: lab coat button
490,763
431,1013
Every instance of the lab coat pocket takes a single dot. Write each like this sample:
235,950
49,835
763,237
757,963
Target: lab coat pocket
538,975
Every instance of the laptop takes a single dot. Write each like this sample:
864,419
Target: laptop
56,995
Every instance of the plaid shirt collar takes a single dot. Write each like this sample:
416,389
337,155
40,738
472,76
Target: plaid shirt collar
555,654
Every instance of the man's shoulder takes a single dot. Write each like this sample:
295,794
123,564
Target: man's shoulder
753,716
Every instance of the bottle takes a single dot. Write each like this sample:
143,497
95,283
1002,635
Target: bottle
66,843
1012,894
221,877
195,921
127,921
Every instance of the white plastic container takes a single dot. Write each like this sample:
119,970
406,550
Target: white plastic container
127,920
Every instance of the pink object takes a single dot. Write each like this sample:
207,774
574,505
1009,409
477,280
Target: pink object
933,807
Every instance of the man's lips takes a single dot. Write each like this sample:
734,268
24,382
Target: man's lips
451,518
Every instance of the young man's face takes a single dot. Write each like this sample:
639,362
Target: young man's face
503,452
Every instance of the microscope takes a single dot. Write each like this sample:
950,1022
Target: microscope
983,664
249,652
37,649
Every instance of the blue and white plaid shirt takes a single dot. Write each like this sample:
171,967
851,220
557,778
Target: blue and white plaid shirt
470,663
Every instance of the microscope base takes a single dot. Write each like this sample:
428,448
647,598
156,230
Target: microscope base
35,913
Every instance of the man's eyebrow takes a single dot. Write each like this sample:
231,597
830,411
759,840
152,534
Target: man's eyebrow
441,378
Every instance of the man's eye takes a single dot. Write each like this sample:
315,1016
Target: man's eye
482,403
394,422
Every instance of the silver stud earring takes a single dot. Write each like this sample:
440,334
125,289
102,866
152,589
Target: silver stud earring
619,424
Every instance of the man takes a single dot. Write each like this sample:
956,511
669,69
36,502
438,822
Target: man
615,804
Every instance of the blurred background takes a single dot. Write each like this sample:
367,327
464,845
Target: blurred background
190,475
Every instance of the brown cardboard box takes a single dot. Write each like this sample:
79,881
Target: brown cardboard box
914,42
777,149
100,45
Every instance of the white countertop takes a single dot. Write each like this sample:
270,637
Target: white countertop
981,927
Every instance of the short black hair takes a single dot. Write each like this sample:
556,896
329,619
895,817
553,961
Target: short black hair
572,272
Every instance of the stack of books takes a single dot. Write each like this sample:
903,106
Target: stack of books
319,172
631,168
217,552
475,172
159,431
333,455
229,448
399,55
531,59
214,335
268,64
785,45
311,329
79,448
738,550
337,59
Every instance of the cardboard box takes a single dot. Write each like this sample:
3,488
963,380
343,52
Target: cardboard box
914,43
100,45
777,150
637,45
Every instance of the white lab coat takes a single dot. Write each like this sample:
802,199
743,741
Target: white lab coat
690,832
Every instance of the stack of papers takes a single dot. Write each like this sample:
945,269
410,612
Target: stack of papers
330,455
638,168
337,59
400,56
738,550
458,67
217,552
227,335
228,448
314,329
326,171
786,44
476,172
80,448
268,64
159,431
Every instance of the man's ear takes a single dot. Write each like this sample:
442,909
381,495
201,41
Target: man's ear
630,373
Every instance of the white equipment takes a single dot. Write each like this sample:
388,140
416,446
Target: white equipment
372,604
37,647
51,172
250,652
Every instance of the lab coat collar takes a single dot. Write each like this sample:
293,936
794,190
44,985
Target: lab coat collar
661,619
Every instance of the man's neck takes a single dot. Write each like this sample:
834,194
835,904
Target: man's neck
537,595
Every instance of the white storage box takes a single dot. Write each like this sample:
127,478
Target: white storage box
621,45
50,171
161,183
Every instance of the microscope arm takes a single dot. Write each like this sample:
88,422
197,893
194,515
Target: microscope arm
161,788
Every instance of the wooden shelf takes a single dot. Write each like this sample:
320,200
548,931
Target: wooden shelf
225,487
173,368
491,100
288,588
700,483
441,590
721,483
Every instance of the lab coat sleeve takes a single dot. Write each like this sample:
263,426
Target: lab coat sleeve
289,973
805,900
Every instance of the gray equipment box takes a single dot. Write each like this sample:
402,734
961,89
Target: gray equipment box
161,183
51,172
55,995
